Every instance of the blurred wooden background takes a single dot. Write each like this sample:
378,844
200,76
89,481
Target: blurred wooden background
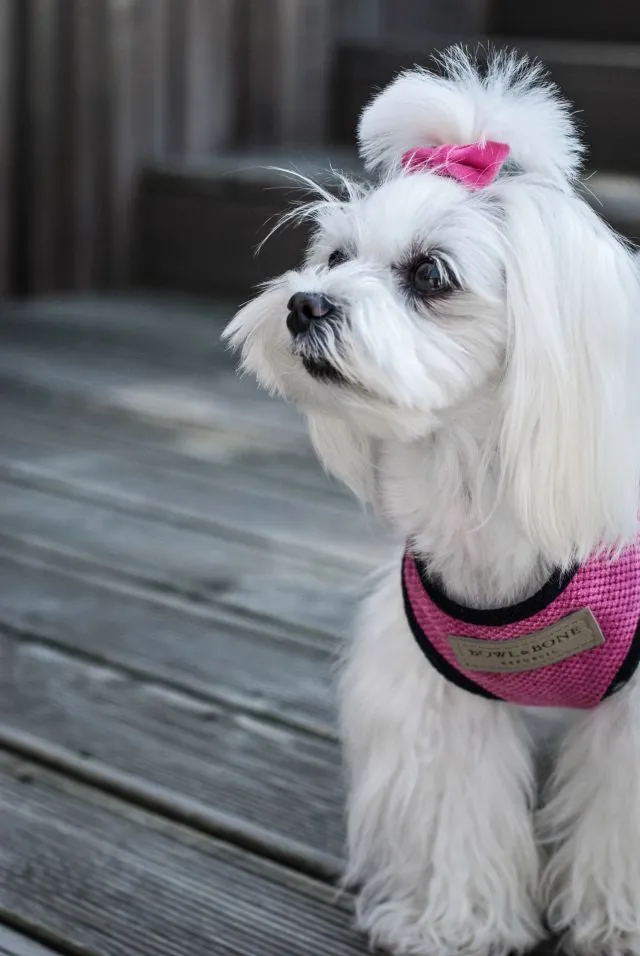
95,93
102,85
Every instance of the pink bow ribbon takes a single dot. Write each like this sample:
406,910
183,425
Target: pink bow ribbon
475,165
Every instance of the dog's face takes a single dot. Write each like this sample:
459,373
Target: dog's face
398,313
504,313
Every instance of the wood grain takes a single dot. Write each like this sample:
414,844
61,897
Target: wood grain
140,388
206,651
217,768
172,595
170,778
244,514
268,586
15,944
109,879
283,461
123,354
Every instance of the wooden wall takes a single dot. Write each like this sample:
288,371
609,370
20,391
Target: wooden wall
283,64
104,86
101,87
7,12
92,90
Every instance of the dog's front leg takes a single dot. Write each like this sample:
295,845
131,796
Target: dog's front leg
591,819
441,844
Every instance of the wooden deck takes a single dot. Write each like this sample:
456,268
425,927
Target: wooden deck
176,574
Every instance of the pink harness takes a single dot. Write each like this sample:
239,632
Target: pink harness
570,645
574,642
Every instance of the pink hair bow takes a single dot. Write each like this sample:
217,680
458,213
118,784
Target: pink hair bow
475,165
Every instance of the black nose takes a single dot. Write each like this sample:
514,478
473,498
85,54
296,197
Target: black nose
305,308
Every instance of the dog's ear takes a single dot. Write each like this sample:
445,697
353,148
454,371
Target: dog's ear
345,453
570,439
509,99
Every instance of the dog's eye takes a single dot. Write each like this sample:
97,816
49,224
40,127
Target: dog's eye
337,257
430,275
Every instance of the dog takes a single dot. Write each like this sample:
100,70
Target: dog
464,340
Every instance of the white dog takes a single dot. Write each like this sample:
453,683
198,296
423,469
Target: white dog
463,338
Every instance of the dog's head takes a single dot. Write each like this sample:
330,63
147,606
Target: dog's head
467,276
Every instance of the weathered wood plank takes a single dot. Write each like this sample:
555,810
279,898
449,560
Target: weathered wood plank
127,354
141,389
15,944
282,460
202,650
265,584
112,880
263,575
242,509
244,458
218,768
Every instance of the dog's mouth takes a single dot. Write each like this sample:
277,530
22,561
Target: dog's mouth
323,371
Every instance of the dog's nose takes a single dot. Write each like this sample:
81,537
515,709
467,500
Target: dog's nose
305,308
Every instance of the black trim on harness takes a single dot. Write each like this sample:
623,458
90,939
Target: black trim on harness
499,616
434,657
627,668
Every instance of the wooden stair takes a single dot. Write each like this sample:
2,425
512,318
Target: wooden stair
198,224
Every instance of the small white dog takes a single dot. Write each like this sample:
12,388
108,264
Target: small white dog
464,340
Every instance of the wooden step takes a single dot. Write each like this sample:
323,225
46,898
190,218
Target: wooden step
619,22
198,227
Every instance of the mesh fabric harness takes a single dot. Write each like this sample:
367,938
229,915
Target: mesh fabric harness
609,588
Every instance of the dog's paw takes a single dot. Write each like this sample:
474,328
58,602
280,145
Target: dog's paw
595,926
397,928
594,909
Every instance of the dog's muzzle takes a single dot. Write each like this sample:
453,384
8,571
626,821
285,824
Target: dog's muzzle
311,315
307,309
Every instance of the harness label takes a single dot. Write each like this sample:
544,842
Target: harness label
574,634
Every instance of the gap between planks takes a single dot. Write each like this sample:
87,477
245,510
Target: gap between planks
244,768
13,943
174,806
249,451
168,565
22,620
60,556
92,572
363,556
112,879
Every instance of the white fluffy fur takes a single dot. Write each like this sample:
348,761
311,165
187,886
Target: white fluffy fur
497,427
513,103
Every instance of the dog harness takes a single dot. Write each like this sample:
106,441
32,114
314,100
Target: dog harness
572,644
